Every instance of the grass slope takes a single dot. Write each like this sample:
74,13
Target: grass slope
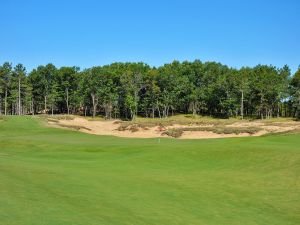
60,177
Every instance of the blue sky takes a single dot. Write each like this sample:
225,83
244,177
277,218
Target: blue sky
89,32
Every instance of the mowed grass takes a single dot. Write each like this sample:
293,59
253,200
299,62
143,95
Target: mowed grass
54,176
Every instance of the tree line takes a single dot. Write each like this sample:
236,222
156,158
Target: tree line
127,90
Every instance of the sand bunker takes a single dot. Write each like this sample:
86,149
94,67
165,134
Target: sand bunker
111,127
106,128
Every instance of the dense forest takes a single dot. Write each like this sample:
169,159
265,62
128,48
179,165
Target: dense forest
127,90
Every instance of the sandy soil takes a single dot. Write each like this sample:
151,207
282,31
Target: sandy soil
108,128
268,127
209,134
111,128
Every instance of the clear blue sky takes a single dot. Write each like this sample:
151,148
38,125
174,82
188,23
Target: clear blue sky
87,33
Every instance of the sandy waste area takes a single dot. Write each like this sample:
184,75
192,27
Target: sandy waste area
110,127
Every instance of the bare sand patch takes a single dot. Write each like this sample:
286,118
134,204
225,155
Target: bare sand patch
109,127
246,124
112,127
208,134
269,127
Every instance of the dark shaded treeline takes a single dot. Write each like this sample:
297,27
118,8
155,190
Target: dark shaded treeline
125,90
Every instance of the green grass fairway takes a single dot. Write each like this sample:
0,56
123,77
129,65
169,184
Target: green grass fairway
62,177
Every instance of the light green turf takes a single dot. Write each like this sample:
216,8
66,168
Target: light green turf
60,177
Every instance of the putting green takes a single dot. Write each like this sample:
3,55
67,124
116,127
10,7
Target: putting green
53,176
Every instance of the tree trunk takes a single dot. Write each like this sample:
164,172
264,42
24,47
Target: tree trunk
242,105
167,112
94,110
194,108
45,104
32,107
67,100
153,111
0,105
159,112
94,104
115,113
132,115
164,111
136,102
19,105
5,103
261,108
298,111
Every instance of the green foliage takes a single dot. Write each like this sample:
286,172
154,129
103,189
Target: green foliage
128,90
